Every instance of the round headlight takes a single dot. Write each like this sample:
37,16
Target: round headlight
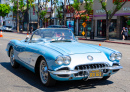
118,56
67,60
59,60
113,56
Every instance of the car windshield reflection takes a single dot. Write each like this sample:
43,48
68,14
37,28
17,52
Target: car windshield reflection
53,35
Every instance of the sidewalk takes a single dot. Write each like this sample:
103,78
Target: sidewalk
118,41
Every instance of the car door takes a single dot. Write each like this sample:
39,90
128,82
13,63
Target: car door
31,51
19,51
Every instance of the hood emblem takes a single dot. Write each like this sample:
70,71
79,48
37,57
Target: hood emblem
90,57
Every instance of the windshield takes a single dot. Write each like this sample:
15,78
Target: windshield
52,35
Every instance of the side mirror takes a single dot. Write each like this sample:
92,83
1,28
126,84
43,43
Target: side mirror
26,39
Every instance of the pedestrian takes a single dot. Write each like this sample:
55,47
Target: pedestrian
123,33
31,29
21,28
126,34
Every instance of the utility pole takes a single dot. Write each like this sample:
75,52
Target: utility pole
27,18
64,12
38,15
18,16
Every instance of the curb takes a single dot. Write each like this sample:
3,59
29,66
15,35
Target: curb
104,41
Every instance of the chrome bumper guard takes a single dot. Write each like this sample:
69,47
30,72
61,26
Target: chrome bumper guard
64,72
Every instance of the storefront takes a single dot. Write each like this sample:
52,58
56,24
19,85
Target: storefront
120,19
79,23
81,28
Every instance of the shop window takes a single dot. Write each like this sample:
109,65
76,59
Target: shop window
101,28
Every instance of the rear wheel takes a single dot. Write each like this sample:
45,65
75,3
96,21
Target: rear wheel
45,77
14,64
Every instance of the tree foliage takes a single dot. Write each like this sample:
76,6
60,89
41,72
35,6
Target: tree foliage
76,5
43,13
88,9
4,9
22,5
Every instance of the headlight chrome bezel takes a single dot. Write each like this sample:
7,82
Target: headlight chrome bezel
115,56
60,60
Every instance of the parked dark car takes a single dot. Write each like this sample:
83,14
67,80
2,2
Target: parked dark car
57,26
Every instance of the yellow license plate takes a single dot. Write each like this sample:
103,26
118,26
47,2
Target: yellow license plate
95,74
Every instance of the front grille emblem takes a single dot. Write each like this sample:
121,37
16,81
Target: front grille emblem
90,57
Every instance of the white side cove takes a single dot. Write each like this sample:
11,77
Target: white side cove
28,58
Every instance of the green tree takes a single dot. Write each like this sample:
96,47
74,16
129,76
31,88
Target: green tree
59,9
110,13
43,11
4,9
22,8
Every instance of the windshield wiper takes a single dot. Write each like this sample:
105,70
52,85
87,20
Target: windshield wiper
61,41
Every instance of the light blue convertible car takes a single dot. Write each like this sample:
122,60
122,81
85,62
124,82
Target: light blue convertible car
55,54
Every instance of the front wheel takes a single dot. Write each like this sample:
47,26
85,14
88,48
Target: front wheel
45,77
14,64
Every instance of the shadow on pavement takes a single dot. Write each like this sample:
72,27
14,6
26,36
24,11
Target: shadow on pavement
34,81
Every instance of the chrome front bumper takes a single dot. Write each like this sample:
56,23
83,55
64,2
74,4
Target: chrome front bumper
65,72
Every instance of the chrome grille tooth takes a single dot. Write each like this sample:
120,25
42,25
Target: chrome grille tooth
82,67
99,65
83,70
92,66
102,65
95,66
89,67
86,67
78,70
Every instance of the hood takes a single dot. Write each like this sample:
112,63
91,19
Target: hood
72,48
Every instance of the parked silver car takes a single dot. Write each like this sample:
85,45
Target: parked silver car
6,28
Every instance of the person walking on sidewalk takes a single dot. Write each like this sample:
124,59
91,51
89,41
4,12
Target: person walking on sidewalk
123,33
126,34
31,30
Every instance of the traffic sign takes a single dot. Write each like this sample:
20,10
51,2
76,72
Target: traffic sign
83,33
84,24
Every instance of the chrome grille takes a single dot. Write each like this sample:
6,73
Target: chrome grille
91,66
83,69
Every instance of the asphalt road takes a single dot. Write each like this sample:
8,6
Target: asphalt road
23,80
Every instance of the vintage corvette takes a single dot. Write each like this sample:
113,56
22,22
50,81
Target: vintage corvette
55,54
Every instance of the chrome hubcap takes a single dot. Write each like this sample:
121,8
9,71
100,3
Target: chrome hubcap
12,57
43,72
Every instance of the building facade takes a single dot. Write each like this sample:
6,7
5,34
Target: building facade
120,19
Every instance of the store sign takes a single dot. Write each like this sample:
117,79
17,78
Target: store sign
126,9
100,11
120,0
